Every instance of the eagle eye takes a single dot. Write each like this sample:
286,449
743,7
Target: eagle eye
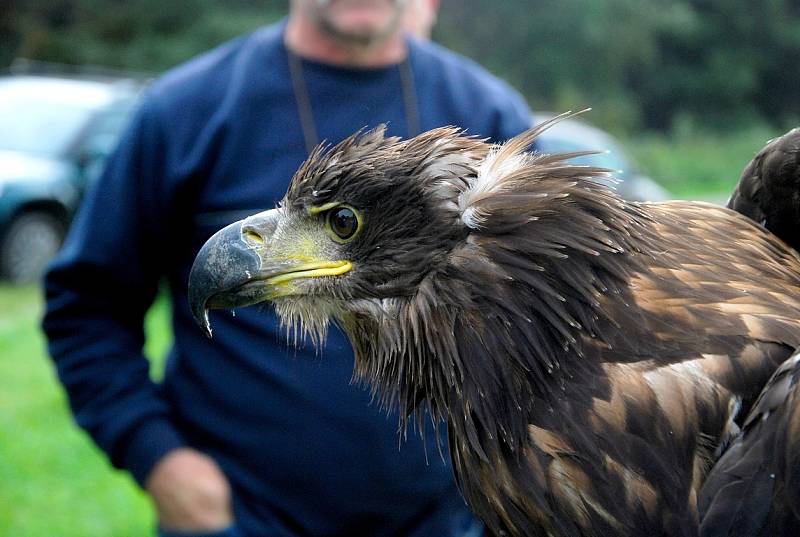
343,222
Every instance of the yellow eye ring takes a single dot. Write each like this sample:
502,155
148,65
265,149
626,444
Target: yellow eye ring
343,223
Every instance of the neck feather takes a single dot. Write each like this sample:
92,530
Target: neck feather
504,324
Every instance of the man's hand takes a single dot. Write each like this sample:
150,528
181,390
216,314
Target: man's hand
190,492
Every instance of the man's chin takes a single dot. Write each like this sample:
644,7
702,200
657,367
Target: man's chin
364,28
361,34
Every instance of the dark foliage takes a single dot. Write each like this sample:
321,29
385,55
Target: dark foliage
639,64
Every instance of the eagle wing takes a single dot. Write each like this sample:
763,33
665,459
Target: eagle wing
754,489
626,432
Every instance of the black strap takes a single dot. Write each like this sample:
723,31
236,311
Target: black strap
303,102
306,113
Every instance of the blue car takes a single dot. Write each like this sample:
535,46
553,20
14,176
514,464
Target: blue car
55,132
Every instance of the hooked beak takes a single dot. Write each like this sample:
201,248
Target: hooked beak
224,271
240,265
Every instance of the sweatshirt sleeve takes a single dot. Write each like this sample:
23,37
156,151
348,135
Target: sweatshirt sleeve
97,292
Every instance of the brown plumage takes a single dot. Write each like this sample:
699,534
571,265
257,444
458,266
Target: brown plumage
769,188
754,489
588,354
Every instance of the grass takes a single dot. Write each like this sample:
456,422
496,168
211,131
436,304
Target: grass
693,164
53,481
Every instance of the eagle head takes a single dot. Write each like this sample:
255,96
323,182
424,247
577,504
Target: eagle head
362,224
414,248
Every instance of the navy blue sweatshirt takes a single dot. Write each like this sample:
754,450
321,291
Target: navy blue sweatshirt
214,140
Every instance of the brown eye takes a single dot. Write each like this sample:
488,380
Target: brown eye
343,222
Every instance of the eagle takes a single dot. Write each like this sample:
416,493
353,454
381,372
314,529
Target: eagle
591,356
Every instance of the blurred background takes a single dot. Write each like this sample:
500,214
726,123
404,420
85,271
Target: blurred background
683,93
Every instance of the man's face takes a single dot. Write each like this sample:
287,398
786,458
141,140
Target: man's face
358,21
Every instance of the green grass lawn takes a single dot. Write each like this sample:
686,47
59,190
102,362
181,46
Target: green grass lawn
53,481
698,165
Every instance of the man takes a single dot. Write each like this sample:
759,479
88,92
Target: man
246,436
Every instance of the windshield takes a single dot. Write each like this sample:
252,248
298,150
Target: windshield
44,117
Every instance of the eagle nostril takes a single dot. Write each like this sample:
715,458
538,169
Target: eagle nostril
257,230
253,236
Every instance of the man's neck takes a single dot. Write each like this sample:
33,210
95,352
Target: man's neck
307,40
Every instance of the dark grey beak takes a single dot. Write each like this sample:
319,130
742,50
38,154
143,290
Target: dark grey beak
227,272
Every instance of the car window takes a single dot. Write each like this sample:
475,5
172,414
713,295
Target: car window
39,122
105,129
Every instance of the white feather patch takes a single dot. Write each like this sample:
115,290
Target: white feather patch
499,164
